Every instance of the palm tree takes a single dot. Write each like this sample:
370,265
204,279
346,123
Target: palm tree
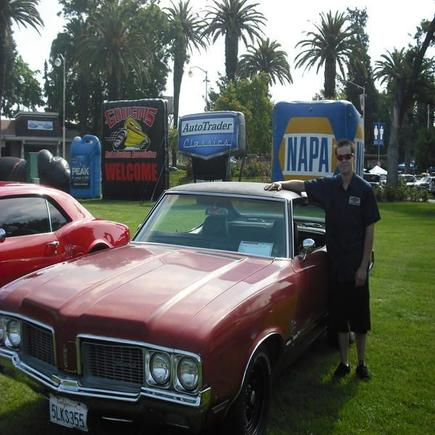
185,28
117,45
403,71
234,19
330,46
267,58
394,69
21,12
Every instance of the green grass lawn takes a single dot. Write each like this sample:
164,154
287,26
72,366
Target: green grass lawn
400,397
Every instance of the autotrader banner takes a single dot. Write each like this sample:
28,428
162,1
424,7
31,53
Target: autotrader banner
135,163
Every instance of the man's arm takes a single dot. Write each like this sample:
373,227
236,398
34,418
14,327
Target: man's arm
361,273
297,186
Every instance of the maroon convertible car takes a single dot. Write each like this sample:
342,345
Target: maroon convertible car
184,326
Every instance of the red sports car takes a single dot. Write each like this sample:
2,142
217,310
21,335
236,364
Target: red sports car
223,283
40,226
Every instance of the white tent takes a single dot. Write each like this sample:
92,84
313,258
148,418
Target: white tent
377,170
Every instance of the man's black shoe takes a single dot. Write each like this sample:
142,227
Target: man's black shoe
363,372
341,371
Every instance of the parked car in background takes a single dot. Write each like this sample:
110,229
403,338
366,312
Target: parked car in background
423,182
431,185
40,226
407,179
222,284
373,179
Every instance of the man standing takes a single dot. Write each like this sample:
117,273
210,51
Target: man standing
351,212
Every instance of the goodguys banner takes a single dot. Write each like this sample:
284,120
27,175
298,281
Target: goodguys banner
134,160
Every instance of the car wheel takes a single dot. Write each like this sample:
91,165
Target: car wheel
98,248
249,413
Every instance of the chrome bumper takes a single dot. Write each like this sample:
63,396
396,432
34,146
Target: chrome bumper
63,383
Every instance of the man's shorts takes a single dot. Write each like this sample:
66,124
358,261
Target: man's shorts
349,307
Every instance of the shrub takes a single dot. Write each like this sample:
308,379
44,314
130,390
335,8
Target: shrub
257,168
401,192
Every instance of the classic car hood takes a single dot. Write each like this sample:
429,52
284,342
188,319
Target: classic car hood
136,291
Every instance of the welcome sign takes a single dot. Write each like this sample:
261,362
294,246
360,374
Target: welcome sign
211,134
134,158
305,135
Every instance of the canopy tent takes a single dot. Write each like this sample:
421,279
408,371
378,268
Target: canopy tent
378,170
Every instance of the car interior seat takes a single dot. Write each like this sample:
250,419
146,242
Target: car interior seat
215,227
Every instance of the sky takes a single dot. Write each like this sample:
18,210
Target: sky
390,25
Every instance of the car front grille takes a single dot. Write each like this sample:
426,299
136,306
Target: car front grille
38,343
114,362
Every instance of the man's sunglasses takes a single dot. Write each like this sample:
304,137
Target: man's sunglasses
341,157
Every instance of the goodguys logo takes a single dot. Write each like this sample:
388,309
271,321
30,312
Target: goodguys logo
116,115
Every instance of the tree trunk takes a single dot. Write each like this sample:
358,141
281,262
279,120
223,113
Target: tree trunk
231,55
114,84
83,103
393,146
329,84
402,101
178,77
3,61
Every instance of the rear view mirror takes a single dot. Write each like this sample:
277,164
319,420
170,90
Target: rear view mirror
2,235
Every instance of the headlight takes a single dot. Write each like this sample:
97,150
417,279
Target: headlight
2,330
13,333
188,373
160,368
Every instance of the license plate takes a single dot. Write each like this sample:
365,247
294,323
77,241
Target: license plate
68,413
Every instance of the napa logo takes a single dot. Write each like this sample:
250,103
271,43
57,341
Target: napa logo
306,148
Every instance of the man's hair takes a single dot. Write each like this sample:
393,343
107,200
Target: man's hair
345,143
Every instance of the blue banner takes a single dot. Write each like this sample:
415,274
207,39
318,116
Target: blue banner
211,134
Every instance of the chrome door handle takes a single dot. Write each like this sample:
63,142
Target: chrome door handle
54,243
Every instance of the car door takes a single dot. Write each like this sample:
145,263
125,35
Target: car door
30,242
311,269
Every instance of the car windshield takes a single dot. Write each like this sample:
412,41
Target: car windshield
251,226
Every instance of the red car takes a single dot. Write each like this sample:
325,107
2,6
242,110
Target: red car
222,284
40,226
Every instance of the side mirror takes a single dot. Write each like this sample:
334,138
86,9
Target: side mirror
2,235
308,246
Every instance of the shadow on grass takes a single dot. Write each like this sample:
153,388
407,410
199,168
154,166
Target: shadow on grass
32,419
305,397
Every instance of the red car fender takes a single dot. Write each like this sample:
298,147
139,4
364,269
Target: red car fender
103,237
233,349
86,238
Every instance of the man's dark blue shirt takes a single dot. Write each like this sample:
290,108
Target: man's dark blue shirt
348,214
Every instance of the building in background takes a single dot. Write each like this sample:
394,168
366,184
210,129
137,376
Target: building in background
29,133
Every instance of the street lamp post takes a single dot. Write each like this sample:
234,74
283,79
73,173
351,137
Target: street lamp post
61,60
206,83
362,96
362,102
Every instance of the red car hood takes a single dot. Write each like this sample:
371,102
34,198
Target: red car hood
141,292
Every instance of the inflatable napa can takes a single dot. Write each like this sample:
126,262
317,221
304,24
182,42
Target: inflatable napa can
85,167
211,134
305,134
